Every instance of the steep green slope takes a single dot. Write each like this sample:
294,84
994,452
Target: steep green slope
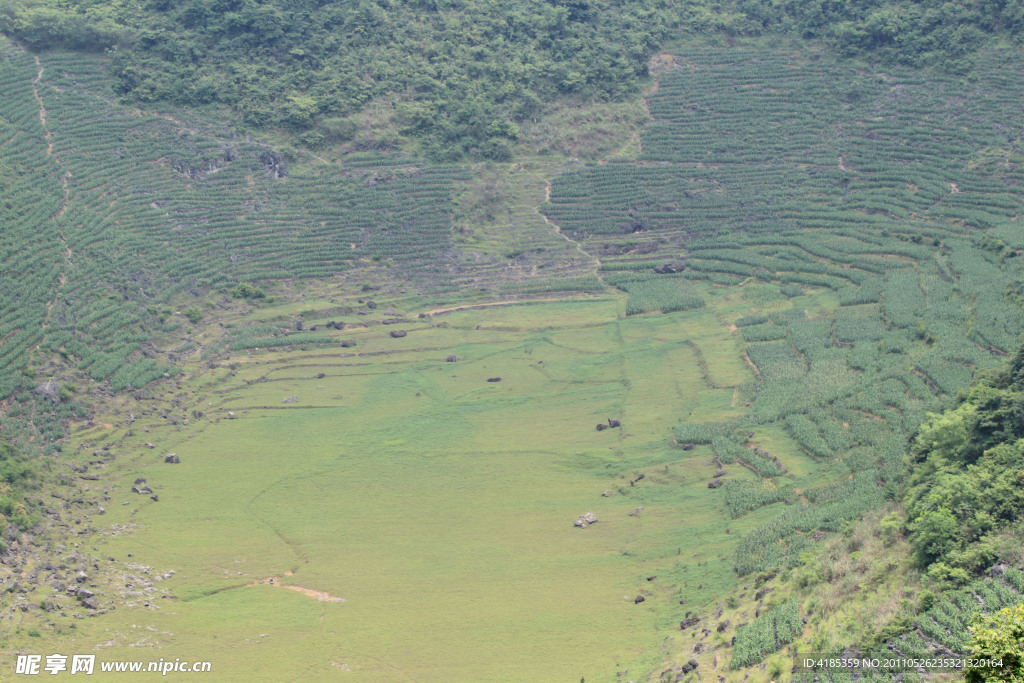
459,76
460,73
960,509
966,470
111,214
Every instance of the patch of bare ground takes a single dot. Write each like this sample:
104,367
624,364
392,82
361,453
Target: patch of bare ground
321,596
42,109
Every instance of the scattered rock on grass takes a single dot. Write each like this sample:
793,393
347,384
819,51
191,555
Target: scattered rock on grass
585,520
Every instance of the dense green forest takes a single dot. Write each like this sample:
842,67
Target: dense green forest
459,76
967,467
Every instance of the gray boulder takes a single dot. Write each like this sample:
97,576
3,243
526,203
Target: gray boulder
49,389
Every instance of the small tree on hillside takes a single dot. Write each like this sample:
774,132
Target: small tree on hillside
999,638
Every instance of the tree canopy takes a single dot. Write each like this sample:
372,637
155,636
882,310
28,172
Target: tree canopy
998,641
967,473
458,75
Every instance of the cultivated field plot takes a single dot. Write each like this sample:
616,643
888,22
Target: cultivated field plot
110,213
871,218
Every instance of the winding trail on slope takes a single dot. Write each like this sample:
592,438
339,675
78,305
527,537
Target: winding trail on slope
467,307
558,229
42,109
64,182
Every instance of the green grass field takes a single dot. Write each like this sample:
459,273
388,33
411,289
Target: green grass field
380,511
436,506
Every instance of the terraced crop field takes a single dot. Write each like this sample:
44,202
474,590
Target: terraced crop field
873,218
805,258
118,212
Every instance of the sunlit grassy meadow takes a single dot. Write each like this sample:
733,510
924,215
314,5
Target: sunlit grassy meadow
433,510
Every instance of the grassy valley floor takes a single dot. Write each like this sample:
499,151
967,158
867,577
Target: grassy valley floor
405,518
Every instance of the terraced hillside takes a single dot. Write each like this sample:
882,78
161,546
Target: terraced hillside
803,260
151,209
118,212
897,195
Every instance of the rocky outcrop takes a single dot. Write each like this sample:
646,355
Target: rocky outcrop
49,389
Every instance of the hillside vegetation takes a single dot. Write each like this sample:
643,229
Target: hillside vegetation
934,572
459,77
381,359
964,491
